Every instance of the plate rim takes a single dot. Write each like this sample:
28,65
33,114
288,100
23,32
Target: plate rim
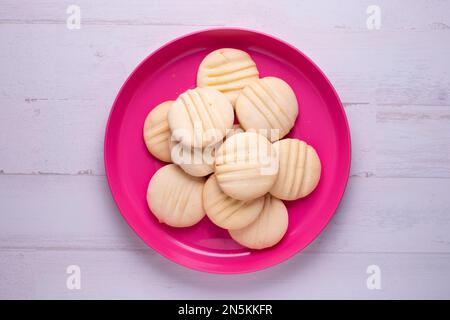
202,267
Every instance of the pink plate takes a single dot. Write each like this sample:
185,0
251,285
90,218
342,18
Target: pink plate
171,70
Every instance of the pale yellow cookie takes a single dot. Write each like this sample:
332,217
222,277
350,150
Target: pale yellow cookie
299,171
175,198
246,166
197,162
268,228
157,132
269,106
200,117
227,70
226,212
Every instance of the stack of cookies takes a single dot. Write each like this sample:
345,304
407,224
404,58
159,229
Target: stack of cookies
235,172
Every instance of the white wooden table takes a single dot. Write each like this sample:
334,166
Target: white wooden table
57,86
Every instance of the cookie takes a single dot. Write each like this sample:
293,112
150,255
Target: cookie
227,70
246,166
299,171
269,106
200,117
226,212
268,228
175,198
157,132
196,162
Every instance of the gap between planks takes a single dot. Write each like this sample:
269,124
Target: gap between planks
432,27
105,23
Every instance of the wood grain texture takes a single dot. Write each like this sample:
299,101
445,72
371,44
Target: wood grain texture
76,212
66,137
142,274
395,67
56,89
285,16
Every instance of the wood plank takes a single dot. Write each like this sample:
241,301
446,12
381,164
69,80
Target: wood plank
285,15
52,136
400,140
77,212
413,141
50,62
66,137
142,274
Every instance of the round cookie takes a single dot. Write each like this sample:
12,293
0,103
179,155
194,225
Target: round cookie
157,132
226,212
266,104
195,161
299,171
227,70
246,166
175,198
200,117
268,229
